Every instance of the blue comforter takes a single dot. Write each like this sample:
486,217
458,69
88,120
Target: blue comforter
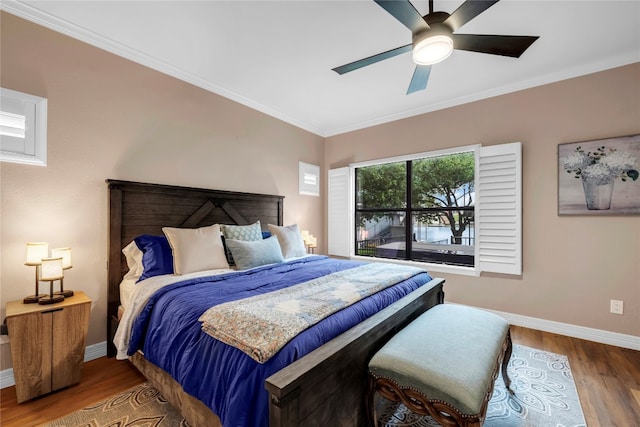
227,380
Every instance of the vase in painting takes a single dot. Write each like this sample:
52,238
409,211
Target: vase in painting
597,194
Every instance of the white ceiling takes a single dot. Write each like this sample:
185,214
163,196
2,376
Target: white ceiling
277,56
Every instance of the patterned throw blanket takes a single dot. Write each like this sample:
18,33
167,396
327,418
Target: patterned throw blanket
260,326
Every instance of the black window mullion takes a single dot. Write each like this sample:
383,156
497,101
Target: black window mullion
409,214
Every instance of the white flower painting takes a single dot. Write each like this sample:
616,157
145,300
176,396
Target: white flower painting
599,177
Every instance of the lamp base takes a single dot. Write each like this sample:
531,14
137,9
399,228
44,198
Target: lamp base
65,294
50,299
31,299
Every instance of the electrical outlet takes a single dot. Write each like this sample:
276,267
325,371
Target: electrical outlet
616,306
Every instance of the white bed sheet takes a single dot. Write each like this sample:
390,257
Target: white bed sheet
134,296
127,286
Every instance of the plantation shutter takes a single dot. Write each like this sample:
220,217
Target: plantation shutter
499,209
338,223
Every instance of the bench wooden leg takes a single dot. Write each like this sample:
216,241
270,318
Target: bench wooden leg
505,363
416,402
371,403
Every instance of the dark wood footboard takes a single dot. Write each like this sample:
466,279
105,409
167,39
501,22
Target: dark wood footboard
329,385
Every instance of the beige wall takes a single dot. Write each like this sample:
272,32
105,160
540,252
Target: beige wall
573,266
112,118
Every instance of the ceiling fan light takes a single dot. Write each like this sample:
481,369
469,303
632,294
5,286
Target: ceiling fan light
432,50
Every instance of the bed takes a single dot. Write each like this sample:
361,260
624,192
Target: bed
325,386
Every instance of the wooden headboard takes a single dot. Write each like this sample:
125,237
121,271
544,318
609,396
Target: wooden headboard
137,208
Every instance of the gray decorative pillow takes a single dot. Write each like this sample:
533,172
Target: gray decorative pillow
247,233
290,240
249,254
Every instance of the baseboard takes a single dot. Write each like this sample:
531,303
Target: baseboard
589,334
91,352
95,351
6,378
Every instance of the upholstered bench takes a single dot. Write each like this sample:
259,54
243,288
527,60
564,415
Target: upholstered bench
443,364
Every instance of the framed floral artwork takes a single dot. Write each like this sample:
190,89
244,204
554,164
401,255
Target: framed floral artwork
599,177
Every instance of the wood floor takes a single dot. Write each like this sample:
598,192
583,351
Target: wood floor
607,379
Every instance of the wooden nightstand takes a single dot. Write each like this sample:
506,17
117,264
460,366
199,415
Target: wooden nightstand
47,344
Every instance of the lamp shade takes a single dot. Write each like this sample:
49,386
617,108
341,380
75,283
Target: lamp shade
65,254
51,269
36,251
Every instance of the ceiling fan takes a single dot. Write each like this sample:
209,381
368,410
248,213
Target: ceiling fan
433,38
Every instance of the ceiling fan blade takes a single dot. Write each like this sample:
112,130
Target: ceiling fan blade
419,79
513,46
404,12
467,11
372,59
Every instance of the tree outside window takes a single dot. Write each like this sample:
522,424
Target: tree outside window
421,209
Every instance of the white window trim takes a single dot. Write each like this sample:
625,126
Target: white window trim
39,134
339,212
436,153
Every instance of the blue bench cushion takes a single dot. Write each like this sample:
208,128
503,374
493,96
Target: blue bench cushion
448,353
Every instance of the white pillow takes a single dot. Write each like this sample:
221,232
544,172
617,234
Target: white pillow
196,249
133,256
290,240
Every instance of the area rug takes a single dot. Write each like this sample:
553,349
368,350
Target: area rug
140,406
544,396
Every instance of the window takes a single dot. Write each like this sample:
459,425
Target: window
23,128
418,210
308,179
458,210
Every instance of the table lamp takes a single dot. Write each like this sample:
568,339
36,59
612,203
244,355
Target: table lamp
310,241
35,252
65,254
51,270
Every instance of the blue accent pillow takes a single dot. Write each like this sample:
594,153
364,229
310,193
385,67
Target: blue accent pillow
266,234
249,254
157,258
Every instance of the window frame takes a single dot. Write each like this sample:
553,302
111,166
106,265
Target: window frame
342,215
35,141
444,267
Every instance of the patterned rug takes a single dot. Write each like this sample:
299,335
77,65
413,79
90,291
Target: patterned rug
140,406
544,396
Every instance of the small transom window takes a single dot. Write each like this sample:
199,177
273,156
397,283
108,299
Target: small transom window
23,128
